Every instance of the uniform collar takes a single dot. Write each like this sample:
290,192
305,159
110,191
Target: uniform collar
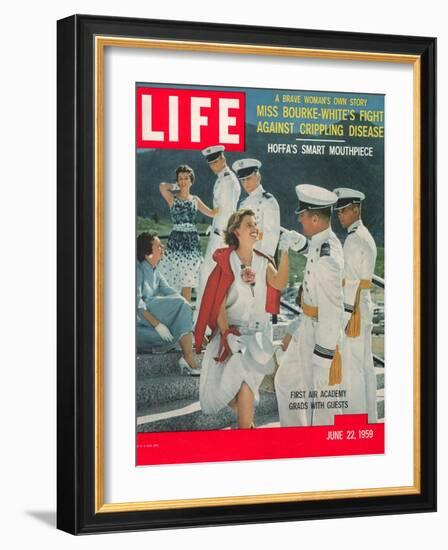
321,237
221,173
256,192
354,226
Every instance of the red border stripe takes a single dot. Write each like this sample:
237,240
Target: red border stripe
351,435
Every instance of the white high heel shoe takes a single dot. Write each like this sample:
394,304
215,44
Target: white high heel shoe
183,365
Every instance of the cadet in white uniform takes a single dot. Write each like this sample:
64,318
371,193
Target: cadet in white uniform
265,205
359,263
307,380
226,193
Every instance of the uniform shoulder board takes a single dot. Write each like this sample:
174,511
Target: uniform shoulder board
267,195
325,250
226,173
352,231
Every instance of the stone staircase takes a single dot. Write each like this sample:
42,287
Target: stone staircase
169,401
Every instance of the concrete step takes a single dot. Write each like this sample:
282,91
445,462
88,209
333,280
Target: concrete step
167,363
269,420
159,364
380,404
380,409
155,390
158,379
379,371
186,415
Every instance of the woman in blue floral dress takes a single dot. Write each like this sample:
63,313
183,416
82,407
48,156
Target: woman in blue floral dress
182,260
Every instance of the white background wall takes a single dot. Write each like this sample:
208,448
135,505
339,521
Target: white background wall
28,265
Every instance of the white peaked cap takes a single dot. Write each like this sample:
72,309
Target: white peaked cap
211,153
313,197
348,196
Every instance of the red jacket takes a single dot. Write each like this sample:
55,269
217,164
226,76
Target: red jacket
216,290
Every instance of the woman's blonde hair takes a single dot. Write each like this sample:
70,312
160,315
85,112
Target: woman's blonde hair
233,224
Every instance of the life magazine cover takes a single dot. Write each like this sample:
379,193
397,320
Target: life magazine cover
259,273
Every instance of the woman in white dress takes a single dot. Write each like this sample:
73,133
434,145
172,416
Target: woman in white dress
240,293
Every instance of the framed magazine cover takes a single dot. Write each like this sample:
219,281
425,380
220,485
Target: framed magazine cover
318,122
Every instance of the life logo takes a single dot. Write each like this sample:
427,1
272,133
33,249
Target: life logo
172,118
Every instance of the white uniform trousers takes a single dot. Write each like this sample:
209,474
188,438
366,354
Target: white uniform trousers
294,383
358,371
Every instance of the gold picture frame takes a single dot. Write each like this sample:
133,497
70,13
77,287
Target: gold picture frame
82,41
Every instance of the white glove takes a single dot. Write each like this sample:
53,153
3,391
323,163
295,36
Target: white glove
296,241
208,230
321,377
164,332
285,241
234,343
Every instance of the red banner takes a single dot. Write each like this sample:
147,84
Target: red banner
170,118
350,435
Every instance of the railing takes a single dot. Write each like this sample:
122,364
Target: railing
376,280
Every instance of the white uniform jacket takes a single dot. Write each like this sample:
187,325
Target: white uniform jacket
359,259
322,288
226,193
267,216
308,359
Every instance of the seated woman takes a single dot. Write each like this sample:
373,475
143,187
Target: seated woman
183,259
241,292
163,316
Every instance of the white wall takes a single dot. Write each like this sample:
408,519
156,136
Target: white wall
27,273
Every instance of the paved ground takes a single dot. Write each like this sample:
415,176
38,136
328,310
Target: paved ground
169,401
